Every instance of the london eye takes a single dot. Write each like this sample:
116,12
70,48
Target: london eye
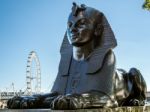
33,74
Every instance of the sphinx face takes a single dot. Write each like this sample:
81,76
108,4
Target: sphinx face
80,30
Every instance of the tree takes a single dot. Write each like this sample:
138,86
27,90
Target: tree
146,5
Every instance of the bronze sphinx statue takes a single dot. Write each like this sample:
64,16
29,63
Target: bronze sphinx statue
87,75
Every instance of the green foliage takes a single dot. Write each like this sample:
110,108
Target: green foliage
146,5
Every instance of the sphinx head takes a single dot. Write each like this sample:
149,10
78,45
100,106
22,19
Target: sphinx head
84,25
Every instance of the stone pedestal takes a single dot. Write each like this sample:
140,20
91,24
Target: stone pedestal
119,109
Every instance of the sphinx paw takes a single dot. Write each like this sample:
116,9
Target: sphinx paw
60,103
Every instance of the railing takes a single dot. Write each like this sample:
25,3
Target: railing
8,95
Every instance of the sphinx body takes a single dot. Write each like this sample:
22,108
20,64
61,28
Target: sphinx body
87,75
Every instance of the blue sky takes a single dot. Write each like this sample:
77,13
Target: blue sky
39,25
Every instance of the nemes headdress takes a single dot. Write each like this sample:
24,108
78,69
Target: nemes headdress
108,42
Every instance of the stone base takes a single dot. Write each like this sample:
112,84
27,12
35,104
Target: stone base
119,109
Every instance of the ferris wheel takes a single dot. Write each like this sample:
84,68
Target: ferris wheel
33,74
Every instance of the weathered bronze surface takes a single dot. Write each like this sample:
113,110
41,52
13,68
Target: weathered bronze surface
87,76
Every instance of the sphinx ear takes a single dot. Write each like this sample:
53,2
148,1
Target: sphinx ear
98,30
